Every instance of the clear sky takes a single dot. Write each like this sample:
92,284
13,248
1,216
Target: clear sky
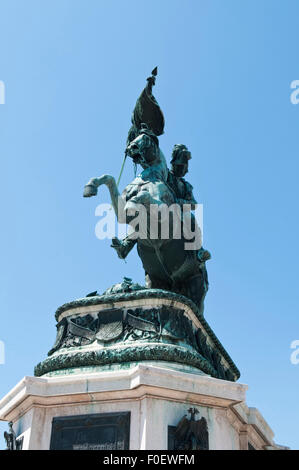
72,71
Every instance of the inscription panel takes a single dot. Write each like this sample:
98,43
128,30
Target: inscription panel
105,431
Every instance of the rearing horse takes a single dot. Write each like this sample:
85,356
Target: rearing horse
167,263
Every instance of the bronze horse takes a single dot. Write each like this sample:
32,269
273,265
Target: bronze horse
166,261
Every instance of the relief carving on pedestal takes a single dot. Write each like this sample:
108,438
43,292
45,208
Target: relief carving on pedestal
189,434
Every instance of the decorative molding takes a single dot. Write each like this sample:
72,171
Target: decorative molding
122,334
144,352
226,368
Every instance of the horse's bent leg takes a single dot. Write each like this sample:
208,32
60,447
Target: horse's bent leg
123,247
117,201
196,288
91,189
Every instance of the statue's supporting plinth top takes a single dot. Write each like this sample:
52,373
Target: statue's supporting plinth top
117,329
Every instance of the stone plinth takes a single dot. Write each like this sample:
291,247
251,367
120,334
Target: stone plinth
155,398
125,371
125,328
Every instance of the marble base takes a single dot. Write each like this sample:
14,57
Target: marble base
155,396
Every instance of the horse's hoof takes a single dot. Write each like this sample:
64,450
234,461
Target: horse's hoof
90,190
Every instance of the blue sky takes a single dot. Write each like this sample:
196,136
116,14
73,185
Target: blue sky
73,71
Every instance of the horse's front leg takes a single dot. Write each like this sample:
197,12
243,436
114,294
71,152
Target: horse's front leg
91,189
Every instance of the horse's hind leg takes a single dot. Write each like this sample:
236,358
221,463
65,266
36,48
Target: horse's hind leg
152,283
196,288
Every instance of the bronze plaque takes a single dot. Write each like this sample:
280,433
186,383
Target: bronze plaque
106,431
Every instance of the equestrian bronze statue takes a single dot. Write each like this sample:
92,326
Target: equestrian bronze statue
159,206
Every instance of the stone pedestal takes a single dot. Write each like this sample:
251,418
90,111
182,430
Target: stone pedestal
125,372
154,396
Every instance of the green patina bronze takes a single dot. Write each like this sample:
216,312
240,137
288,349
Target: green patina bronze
157,352
167,262
146,294
121,335
164,320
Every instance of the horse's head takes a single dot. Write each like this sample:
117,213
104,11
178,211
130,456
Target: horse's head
144,149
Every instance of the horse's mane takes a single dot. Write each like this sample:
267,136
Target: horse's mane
158,170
